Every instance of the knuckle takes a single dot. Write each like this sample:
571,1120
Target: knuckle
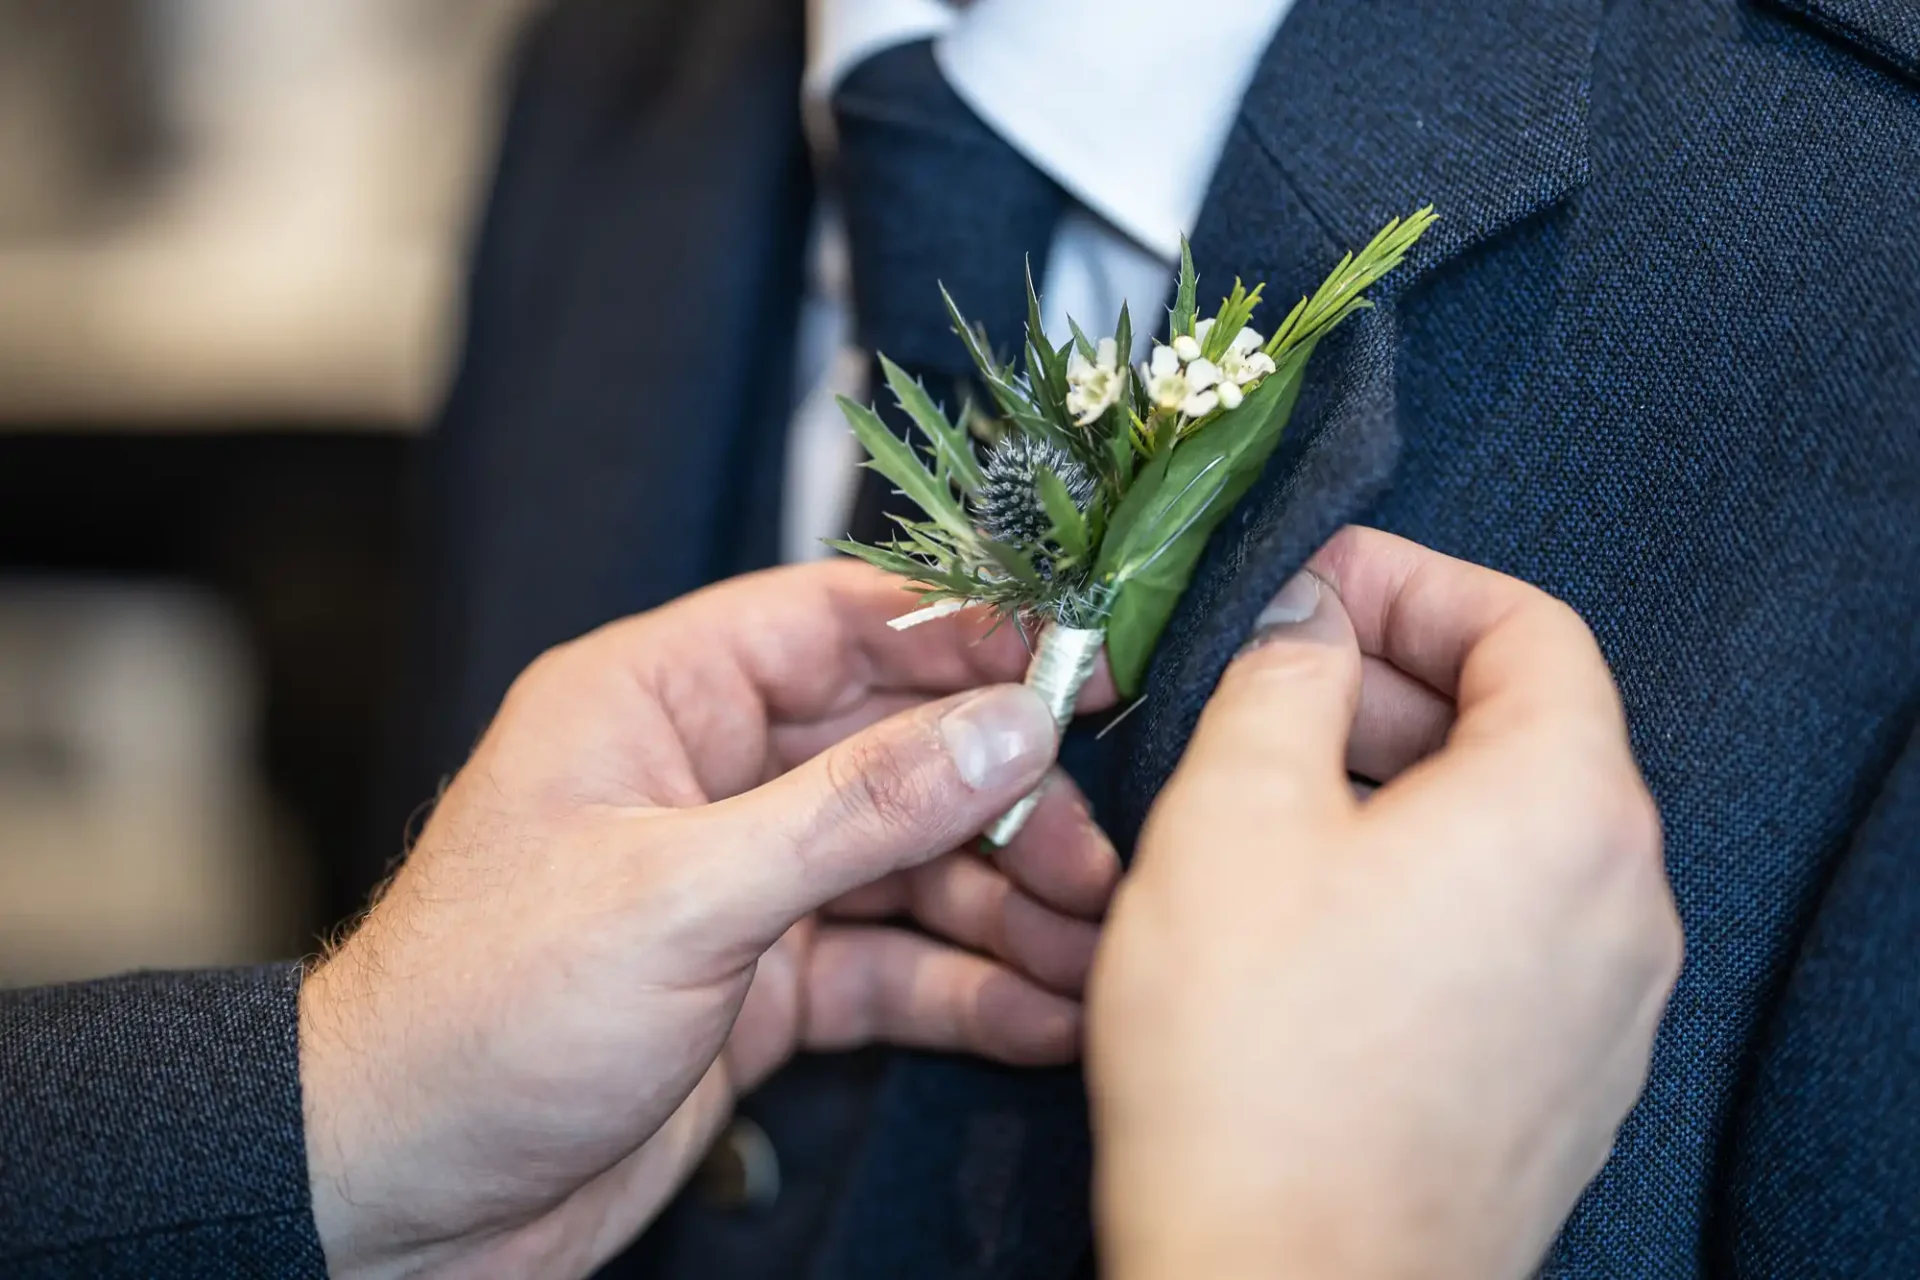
877,788
1630,848
1630,820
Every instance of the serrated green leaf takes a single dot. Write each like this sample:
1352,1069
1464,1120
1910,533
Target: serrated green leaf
1046,366
1081,343
1015,563
974,340
1069,524
950,444
881,557
893,458
1181,319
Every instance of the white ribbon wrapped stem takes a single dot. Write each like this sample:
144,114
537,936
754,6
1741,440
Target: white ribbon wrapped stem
1063,662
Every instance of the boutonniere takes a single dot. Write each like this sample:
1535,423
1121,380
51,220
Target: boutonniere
1098,482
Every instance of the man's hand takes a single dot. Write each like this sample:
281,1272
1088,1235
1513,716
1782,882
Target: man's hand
1394,1036
664,871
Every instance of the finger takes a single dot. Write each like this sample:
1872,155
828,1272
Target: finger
1400,722
813,642
1508,654
893,796
793,743
867,984
964,899
1061,856
1276,729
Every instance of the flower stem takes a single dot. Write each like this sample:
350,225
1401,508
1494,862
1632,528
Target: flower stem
1063,661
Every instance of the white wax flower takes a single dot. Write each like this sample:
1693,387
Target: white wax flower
1200,404
1230,395
1166,382
1244,362
1093,385
1186,347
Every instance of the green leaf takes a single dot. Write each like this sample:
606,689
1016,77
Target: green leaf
1069,527
1121,454
1013,401
950,444
975,341
1339,296
1181,319
1046,366
893,458
1157,535
1017,565
1235,311
1082,343
882,558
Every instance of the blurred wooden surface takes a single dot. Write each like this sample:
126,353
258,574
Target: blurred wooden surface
283,248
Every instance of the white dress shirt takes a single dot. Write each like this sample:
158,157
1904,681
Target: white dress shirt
1125,103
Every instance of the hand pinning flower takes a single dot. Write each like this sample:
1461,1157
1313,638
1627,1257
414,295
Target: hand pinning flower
1088,514
1093,386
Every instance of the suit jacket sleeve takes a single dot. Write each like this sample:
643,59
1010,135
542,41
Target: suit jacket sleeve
150,1125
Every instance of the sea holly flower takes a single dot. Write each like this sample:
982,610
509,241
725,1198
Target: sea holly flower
1093,385
1009,506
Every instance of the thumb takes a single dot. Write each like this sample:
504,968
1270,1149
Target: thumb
1277,725
894,795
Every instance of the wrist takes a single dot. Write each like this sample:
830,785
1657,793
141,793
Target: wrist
353,1123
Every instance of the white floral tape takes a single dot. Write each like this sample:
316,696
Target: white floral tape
1063,662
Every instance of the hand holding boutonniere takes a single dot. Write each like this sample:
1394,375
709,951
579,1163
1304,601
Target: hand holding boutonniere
1098,482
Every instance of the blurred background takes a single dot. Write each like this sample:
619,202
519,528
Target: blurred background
231,238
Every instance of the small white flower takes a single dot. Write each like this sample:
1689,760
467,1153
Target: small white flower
1246,340
1244,368
1186,347
1093,386
1230,395
1200,404
1166,384
1202,373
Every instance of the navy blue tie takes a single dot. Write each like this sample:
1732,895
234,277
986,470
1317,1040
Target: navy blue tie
931,195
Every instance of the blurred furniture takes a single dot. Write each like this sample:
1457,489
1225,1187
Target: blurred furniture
220,213
134,829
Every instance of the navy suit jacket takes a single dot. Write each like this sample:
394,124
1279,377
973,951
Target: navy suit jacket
1661,357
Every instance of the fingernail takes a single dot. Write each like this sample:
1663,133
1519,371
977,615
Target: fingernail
1297,602
1000,735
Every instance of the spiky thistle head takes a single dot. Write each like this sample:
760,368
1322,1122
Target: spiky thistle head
1009,506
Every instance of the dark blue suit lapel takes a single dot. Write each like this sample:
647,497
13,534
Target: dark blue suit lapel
1359,112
